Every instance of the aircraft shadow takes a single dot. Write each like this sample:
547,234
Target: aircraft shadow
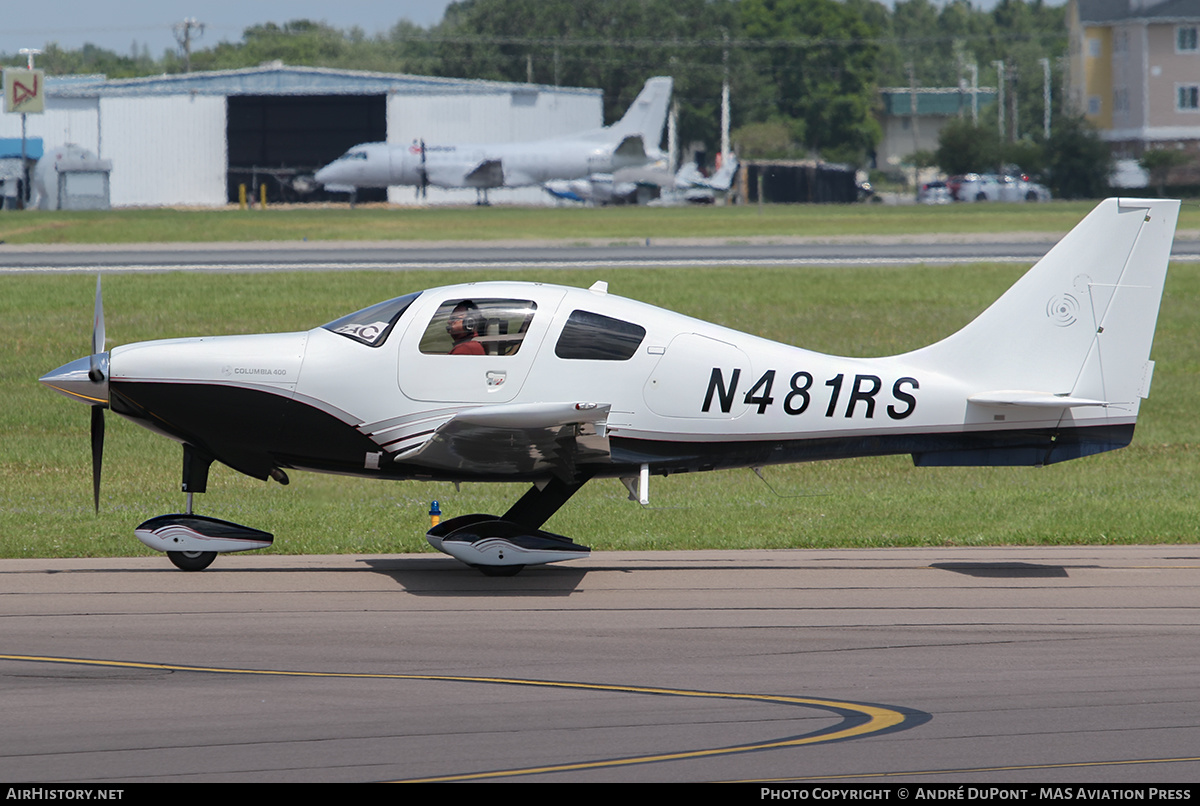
438,576
1003,570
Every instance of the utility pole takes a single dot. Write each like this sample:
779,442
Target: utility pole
183,35
1045,97
23,196
999,65
912,110
725,102
1013,96
975,94
912,103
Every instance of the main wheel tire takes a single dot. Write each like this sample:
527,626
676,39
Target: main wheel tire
191,560
500,570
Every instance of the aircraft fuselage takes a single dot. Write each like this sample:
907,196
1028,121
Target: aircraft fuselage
690,396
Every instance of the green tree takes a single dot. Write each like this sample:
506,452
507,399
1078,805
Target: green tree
773,139
964,147
816,60
90,59
1028,154
612,44
941,46
1077,160
299,42
1159,162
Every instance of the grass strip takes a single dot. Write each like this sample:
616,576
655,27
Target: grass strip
1142,494
472,224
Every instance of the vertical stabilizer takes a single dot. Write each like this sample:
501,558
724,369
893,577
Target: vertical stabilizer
1079,324
647,115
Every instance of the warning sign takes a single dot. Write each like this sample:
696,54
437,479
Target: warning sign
24,90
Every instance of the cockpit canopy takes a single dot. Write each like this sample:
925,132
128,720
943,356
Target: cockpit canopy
493,326
371,326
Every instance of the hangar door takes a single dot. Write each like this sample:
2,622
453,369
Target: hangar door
281,140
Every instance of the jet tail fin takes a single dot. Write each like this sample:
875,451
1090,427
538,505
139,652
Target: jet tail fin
1078,326
647,115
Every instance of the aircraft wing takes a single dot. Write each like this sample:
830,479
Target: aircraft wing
521,438
488,173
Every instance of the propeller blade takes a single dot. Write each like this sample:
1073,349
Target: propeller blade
97,452
423,189
97,336
98,321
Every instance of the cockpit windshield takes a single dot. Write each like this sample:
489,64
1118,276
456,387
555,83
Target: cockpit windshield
371,326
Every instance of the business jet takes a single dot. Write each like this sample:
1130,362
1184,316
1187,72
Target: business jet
630,142
556,386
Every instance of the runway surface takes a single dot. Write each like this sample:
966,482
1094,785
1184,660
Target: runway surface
955,665
396,256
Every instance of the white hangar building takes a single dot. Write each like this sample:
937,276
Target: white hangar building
191,139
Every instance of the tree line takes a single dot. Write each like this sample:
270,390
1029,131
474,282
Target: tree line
803,74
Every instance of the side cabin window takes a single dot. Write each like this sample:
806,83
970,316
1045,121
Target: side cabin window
478,327
596,337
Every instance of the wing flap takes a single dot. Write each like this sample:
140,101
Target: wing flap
524,439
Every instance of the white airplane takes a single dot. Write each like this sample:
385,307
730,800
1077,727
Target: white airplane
687,186
631,141
555,386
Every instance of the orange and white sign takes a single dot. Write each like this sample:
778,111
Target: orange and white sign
24,90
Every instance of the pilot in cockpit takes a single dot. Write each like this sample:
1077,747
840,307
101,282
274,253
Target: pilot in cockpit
463,327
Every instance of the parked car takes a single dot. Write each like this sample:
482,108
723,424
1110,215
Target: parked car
935,192
994,187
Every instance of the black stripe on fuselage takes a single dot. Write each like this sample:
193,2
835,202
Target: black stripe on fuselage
253,430
1040,446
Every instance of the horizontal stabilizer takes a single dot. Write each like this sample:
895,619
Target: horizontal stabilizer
1032,399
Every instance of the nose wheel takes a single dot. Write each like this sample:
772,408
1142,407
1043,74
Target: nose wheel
191,560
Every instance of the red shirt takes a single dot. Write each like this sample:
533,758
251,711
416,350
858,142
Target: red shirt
467,347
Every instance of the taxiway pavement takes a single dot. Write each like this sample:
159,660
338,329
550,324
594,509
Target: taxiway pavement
942,665
515,255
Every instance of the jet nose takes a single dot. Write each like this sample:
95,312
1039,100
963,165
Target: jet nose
75,380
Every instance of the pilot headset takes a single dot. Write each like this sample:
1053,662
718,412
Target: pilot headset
470,316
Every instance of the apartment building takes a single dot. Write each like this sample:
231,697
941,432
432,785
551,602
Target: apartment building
1135,73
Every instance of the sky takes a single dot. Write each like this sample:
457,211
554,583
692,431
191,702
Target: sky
117,24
